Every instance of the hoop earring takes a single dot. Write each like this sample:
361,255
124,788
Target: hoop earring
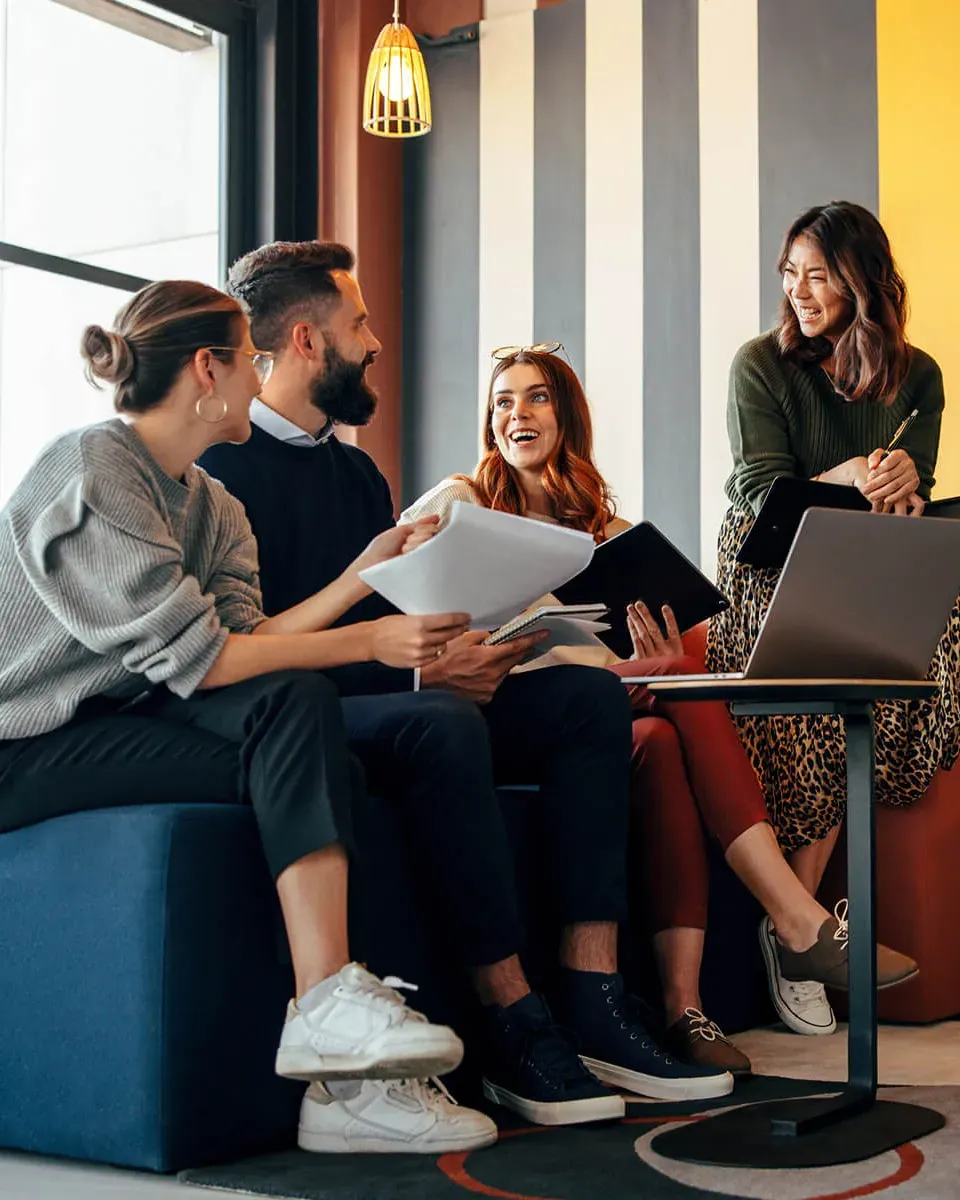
199,408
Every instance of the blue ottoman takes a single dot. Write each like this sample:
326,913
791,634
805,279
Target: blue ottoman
142,989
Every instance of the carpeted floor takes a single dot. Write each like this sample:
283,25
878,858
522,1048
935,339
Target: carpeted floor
609,1162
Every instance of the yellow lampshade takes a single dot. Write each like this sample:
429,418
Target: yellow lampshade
396,96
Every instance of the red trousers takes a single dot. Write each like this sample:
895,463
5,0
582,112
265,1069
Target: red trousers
690,778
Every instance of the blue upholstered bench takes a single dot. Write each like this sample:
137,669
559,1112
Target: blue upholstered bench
144,977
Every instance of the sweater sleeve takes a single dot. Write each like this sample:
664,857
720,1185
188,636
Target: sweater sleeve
104,564
758,428
439,501
235,581
922,440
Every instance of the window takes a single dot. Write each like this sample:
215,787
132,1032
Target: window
126,154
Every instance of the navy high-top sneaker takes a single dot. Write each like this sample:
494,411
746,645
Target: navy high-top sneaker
531,1066
616,1043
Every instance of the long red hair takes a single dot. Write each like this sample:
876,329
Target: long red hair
577,493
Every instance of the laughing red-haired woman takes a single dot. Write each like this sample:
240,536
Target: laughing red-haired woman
690,771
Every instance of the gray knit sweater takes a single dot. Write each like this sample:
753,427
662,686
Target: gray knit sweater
113,577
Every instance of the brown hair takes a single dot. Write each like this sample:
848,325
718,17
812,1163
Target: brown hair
155,335
871,357
284,282
578,494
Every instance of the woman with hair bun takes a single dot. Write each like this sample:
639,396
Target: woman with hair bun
818,397
137,665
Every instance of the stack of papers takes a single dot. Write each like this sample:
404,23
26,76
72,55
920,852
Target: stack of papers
489,564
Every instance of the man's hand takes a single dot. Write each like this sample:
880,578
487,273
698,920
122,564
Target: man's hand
470,669
648,641
392,542
414,641
890,481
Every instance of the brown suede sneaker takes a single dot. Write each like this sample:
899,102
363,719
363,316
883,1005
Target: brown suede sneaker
697,1040
827,962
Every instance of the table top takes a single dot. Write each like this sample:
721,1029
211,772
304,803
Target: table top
851,691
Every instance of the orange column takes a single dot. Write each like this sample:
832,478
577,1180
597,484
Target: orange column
361,190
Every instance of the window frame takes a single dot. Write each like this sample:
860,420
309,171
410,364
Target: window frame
268,144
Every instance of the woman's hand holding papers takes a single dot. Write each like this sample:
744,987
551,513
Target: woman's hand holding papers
394,541
470,669
647,637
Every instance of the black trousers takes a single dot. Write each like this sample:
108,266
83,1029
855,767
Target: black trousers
439,757
277,742
285,743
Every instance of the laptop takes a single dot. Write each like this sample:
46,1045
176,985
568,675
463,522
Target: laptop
861,596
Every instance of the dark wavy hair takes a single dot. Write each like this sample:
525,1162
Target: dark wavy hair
871,357
578,494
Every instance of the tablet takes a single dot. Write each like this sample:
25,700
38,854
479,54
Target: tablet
771,535
642,564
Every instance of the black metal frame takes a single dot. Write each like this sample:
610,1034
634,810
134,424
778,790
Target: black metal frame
269,105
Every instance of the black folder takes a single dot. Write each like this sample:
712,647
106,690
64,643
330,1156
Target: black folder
949,506
771,535
642,564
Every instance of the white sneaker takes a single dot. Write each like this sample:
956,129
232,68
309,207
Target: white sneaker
802,1007
376,1116
353,1026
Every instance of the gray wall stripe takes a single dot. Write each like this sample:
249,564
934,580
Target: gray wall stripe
559,181
441,277
670,210
818,117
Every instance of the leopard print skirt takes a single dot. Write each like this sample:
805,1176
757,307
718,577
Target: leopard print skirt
800,760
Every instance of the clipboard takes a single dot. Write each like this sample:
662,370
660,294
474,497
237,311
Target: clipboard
642,564
771,535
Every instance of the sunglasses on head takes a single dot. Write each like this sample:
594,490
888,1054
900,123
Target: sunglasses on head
504,352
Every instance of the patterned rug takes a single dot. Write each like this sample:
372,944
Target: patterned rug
609,1162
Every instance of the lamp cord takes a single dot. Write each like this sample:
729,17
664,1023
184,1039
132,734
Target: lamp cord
396,12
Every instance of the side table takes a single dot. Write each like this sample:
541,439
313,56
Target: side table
852,1125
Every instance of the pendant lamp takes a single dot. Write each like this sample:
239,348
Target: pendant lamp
396,96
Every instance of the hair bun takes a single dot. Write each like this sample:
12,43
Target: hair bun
108,354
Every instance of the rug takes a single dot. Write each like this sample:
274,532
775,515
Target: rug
611,1161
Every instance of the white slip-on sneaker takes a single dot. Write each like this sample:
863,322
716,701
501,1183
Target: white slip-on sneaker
355,1026
381,1116
802,1007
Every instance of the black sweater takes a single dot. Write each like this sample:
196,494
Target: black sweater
313,509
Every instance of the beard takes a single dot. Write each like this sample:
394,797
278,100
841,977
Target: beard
342,392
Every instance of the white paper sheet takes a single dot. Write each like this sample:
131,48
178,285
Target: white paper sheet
489,564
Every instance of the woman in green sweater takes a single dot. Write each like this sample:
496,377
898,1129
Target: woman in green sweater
818,397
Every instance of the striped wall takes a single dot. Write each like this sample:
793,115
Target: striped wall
618,174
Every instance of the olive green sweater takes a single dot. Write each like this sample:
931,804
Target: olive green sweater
786,419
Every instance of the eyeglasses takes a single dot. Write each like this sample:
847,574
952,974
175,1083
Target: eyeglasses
262,360
503,352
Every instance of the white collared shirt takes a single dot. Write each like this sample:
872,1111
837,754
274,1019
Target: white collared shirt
284,430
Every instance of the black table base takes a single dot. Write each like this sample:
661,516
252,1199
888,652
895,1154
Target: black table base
853,1125
749,1137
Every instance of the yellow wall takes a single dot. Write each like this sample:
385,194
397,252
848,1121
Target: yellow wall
918,84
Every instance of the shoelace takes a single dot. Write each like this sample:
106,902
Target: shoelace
554,1052
806,992
841,933
635,1012
384,992
701,1026
429,1092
